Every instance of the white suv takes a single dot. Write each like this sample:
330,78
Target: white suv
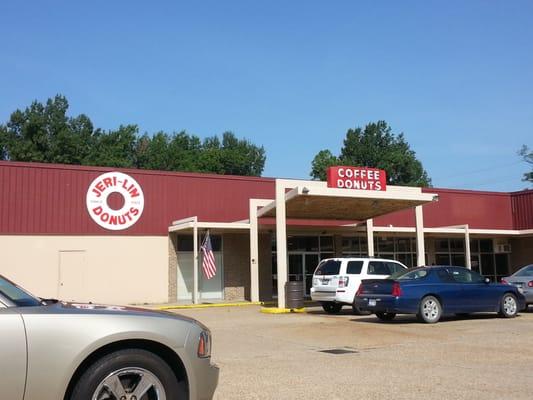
336,280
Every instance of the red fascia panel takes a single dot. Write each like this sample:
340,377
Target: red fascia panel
480,210
522,204
50,199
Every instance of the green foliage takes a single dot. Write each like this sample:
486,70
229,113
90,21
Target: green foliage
527,155
115,148
45,133
321,162
376,146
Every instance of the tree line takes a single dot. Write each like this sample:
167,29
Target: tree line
375,146
45,133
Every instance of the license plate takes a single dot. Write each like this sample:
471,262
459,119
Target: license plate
518,285
371,302
325,281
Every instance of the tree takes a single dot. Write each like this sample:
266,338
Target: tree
527,156
376,146
321,162
115,148
241,157
44,133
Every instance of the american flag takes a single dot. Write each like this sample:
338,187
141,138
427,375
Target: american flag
208,260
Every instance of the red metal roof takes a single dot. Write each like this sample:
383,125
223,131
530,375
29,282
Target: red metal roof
38,198
522,206
50,199
480,210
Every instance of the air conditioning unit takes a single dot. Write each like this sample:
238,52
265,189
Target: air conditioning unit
502,248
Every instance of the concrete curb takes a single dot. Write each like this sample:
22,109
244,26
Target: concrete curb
186,306
274,310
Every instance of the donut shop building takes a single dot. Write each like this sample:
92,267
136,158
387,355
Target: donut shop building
135,236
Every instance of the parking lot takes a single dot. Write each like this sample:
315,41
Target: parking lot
280,356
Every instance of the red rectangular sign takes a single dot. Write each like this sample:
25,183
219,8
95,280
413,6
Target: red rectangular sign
361,178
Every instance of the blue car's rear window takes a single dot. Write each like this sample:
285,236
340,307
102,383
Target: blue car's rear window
412,275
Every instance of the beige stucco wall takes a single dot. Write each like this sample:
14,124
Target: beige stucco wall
115,269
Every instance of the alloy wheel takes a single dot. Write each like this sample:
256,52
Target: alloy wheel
430,309
130,384
509,305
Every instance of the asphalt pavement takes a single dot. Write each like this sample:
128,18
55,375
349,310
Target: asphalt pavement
282,356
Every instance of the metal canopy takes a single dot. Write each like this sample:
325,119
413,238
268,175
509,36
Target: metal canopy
345,204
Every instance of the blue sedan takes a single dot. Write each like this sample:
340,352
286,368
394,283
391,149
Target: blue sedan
430,292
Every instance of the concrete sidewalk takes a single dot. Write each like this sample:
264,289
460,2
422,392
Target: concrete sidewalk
280,356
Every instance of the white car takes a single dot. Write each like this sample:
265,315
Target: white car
336,280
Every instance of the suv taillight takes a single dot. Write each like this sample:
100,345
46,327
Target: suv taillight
530,284
343,281
396,289
504,282
360,290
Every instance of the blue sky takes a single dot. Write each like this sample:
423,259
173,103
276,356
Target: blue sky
455,76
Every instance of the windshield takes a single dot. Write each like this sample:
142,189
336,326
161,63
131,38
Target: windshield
16,294
526,271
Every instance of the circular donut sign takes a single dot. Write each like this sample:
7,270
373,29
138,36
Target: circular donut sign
98,206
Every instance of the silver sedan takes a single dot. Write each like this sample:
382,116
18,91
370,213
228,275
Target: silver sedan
523,280
52,350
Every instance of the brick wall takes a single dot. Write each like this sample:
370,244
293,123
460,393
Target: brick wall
172,268
236,250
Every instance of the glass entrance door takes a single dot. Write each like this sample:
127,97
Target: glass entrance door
301,268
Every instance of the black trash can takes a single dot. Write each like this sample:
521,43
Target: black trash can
294,294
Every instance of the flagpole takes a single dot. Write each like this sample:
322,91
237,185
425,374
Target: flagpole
195,264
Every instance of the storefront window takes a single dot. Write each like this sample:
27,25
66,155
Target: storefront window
502,266
442,245
458,260
302,243
487,265
457,245
403,245
385,244
406,259
326,243
186,242
442,259
350,245
402,249
474,246
485,245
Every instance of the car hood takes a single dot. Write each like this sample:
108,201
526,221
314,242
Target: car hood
63,307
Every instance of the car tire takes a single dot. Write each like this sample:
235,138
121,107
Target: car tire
385,316
124,371
508,306
331,308
429,310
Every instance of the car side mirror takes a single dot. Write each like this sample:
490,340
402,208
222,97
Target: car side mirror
486,280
